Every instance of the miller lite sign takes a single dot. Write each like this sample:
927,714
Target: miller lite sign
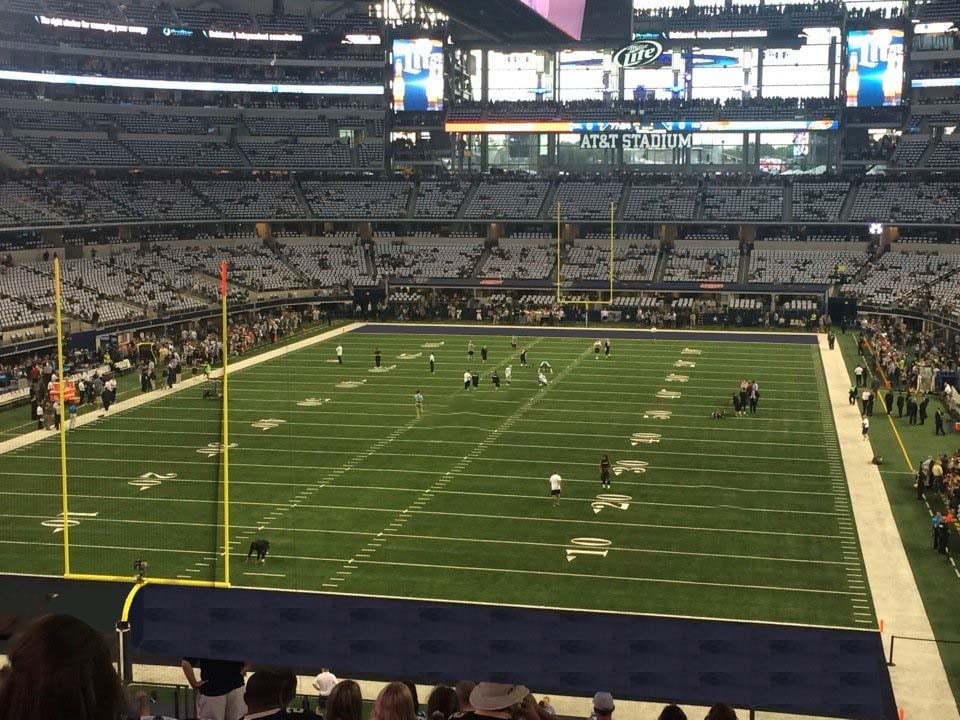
638,54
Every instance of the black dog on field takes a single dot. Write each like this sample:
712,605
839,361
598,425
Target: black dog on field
260,547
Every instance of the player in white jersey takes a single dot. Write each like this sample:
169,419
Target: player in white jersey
508,373
556,487
467,377
541,378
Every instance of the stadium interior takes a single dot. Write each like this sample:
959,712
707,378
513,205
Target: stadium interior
186,185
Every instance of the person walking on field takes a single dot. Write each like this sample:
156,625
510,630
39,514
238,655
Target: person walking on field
938,422
340,354
418,403
865,426
556,487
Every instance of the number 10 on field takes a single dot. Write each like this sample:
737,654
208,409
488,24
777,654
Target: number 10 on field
597,547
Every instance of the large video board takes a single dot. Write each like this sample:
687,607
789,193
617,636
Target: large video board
418,74
874,68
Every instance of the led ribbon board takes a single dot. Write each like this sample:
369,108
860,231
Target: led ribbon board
194,85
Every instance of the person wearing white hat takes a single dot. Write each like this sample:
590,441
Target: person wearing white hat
496,700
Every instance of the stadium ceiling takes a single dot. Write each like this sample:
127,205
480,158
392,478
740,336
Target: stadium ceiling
478,23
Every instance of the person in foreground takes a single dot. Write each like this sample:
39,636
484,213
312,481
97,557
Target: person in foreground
59,668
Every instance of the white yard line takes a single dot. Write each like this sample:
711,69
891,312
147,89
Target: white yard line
565,463
919,680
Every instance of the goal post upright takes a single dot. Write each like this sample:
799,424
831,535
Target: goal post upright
61,391
225,421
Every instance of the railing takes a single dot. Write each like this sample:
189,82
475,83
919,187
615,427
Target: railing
893,638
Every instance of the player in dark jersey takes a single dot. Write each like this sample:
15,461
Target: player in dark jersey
606,348
523,356
260,547
605,472
495,379
483,353
376,357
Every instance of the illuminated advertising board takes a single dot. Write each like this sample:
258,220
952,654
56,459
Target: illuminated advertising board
107,27
189,85
637,141
874,68
252,36
566,15
669,126
418,74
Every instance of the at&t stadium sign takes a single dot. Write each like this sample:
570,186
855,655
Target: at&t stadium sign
635,141
638,54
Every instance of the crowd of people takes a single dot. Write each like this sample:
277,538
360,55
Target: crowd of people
161,357
60,667
920,366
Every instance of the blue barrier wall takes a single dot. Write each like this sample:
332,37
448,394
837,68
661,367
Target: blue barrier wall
812,671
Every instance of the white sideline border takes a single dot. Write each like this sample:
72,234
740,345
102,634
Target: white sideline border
36,436
919,680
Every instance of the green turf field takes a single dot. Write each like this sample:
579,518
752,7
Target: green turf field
741,518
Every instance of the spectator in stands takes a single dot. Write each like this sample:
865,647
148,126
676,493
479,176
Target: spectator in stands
721,712
496,700
325,680
442,703
265,696
394,703
411,686
603,706
672,712
463,688
345,702
220,688
60,667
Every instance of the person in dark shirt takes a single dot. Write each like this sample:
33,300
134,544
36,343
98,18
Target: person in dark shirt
495,379
219,689
900,404
605,472
938,422
889,401
483,353
376,357
523,356
737,404
922,408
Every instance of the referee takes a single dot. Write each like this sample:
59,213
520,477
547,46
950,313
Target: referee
605,472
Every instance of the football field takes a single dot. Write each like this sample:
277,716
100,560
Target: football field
735,518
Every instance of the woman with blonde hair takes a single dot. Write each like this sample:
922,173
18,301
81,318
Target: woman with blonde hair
394,703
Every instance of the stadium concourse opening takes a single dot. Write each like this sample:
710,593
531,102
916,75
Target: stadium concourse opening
551,342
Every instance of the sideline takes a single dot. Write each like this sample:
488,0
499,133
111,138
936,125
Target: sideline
36,436
919,680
